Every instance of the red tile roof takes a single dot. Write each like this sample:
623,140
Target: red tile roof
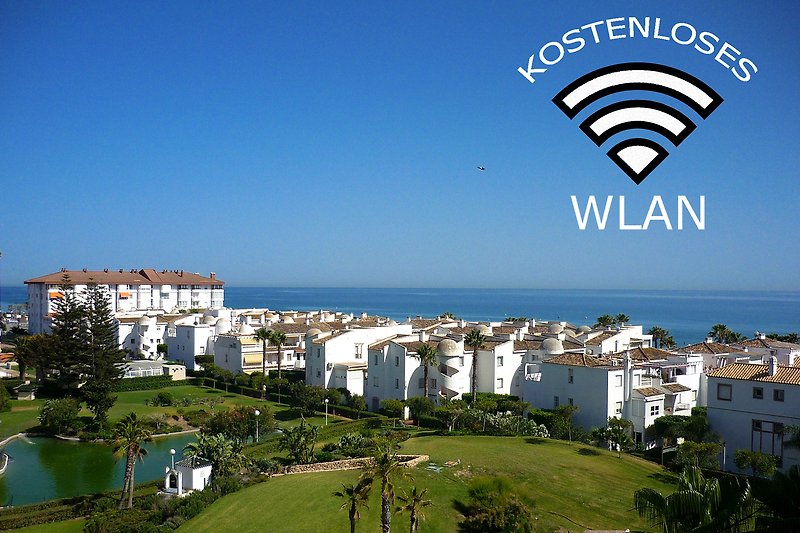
145,276
785,374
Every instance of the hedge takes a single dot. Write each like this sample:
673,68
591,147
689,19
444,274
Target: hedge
347,411
431,422
10,384
150,383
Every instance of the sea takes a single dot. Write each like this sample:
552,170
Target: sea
688,315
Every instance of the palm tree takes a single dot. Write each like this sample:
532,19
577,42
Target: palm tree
384,466
604,321
278,338
621,319
475,339
129,434
698,504
225,454
427,357
722,334
264,335
355,496
661,337
414,504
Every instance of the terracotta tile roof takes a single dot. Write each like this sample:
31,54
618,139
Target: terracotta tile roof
425,323
675,387
145,276
708,347
645,354
413,346
528,344
571,344
379,345
576,359
785,374
768,343
504,329
649,391
603,336
298,328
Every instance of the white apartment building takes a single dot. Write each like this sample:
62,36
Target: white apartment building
786,352
613,339
640,386
338,359
750,406
134,290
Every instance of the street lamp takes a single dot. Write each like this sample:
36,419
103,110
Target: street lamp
263,390
172,453
257,413
326,411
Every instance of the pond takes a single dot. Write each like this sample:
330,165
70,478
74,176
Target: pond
43,469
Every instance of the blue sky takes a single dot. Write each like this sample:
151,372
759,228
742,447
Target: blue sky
336,144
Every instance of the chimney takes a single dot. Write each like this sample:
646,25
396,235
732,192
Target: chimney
63,269
84,270
773,365
180,273
760,335
120,271
423,336
462,323
213,275
105,270
520,334
709,339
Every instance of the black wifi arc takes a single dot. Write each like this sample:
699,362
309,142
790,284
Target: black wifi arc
637,157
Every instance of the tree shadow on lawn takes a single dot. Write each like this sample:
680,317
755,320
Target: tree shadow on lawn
285,416
588,451
535,440
667,478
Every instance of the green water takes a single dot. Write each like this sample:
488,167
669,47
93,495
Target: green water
44,469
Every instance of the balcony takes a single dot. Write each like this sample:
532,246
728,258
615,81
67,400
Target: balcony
533,377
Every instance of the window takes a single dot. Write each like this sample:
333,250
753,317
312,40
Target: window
571,401
421,383
319,374
396,383
758,393
433,383
570,376
500,361
655,410
777,395
767,437
555,401
638,380
396,360
319,350
359,350
618,380
618,408
375,381
499,383
694,395
461,361
723,392
375,362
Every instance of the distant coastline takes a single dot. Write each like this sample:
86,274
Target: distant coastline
687,314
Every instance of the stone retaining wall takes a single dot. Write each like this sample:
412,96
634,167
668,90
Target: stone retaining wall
351,464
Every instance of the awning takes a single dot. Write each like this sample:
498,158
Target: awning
54,295
124,295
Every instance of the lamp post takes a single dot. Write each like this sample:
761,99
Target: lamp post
263,390
172,453
257,413
326,411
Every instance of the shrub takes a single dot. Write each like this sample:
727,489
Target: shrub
60,416
197,418
431,422
392,408
148,383
5,400
163,399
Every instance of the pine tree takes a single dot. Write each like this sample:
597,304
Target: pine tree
69,334
105,357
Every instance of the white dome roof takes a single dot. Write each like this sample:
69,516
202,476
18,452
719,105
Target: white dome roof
145,321
208,319
288,320
313,332
553,346
584,329
448,348
246,329
555,328
223,326
483,328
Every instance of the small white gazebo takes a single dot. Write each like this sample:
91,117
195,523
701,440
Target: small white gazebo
192,473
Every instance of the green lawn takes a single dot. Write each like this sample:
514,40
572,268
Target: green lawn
572,488
23,415
67,526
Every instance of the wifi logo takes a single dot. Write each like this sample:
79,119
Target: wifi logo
636,156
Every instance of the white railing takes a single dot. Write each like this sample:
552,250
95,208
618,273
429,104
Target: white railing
533,377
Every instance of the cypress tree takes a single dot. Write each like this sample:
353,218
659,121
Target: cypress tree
69,333
105,358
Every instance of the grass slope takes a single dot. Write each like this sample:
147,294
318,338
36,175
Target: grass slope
573,486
